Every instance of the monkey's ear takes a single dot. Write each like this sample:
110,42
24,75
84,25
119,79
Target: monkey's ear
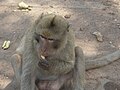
52,22
68,28
39,18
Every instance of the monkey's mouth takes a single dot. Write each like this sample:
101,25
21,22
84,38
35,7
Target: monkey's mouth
43,55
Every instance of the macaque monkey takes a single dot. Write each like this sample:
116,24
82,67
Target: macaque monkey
47,58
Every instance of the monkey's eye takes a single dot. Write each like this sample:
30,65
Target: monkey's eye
45,38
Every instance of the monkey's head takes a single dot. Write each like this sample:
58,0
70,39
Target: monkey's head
51,34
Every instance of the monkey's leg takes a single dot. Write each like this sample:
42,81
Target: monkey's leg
78,74
14,85
79,71
16,62
17,65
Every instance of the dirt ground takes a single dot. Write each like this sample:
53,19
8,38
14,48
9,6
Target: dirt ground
86,17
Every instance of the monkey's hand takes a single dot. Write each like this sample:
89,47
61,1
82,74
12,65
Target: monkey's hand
44,64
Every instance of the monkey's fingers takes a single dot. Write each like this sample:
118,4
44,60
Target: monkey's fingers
44,64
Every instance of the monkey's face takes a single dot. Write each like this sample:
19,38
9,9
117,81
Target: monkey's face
46,46
50,34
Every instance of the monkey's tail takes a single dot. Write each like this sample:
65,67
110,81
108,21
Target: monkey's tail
105,60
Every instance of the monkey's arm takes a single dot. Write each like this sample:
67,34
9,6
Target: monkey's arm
61,64
28,76
57,66
62,67
29,62
28,70
79,71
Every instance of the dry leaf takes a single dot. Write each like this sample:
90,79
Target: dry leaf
6,45
99,36
23,5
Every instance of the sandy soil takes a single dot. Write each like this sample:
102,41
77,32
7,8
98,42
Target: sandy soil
86,17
